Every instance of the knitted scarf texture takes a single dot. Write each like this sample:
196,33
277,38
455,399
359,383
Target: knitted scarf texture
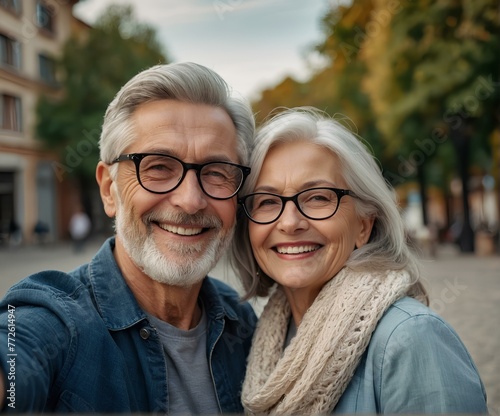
311,374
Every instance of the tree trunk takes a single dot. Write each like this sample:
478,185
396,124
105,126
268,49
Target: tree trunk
423,193
461,137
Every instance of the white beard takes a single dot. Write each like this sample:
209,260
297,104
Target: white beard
189,263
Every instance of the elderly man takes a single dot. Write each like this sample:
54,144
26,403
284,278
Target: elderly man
141,328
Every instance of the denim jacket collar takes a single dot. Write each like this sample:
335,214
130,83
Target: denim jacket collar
116,303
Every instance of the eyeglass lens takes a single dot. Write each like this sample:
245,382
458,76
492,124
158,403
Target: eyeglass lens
317,204
161,174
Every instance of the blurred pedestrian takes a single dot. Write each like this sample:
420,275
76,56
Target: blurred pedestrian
41,232
15,233
79,229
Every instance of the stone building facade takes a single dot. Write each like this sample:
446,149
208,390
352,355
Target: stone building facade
32,34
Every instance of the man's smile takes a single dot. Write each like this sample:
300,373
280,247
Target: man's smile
175,229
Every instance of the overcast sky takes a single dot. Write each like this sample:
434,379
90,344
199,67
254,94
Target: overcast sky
252,44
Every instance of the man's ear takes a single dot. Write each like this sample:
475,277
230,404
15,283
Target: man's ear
365,232
105,182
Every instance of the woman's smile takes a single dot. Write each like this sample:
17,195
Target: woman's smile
294,250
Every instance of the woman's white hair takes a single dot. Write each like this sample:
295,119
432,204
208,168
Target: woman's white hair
183,81
386,249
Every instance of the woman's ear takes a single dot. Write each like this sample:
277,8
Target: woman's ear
365,232
105,182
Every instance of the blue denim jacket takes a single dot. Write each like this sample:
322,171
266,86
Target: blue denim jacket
83,344
415,364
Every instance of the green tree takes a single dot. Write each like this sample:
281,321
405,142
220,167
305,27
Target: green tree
431,82
337,87
93,67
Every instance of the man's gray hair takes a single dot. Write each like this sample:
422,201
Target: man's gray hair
188,82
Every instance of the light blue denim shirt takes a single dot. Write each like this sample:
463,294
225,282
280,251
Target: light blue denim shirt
83,344
415,363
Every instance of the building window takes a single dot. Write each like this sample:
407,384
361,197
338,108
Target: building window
10,112
47,69
7,212
45,16
13,6
10,52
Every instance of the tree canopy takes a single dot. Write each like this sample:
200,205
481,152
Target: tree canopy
93,68
405,73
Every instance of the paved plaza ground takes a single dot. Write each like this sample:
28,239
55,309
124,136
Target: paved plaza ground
464,289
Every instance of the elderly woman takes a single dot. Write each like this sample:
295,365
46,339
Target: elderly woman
346,327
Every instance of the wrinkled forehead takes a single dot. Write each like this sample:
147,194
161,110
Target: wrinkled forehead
299,164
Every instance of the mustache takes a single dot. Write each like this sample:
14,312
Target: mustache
195,220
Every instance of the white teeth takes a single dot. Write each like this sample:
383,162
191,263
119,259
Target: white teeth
181,230
296,249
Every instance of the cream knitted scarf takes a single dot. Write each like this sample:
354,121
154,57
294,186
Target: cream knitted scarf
311,374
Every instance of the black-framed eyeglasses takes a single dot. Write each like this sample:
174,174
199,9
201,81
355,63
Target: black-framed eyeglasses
160,174
314,203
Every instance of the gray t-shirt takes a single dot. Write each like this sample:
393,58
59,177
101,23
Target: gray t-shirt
190,386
